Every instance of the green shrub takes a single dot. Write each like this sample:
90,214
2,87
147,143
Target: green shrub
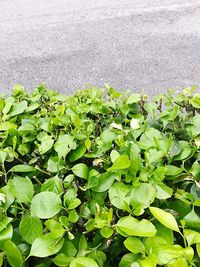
99,179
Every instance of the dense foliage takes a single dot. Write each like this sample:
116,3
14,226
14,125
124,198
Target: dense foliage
99,179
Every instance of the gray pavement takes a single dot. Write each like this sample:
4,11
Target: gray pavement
130,44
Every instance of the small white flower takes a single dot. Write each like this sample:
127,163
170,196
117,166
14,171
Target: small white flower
2,198
135,124
116,126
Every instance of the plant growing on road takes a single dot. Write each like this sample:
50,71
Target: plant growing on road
99,179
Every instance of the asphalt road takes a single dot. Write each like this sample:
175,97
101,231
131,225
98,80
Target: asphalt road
149,45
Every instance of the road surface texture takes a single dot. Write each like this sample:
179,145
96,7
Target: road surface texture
131,44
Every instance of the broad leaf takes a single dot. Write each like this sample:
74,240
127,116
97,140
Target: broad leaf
83,262
166,218
46,205
105,181
134,245
23,189
142,196
53,184
30,228
130,226
18,108
119,195
64,145
192,236
122,162
13,254
192,220
78,153
46,245
46,144
81,170
22,168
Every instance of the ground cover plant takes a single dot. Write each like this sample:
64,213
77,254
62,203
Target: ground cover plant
99,179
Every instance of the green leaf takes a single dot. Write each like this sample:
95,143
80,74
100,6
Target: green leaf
105,181
142,196
18,108
122,162
172,170
165,233
178,262
13,254
46,205
149,261
107,137
193,128
4,222
114,155
147,139
153,155
186,151
129,226
73,203
73,216
8,104
81,170
55,228
195,170
106,231
77,154
166,254
163,191
4,126
195,101
53,184
68,248
64,145
134,245
23,189
46,246
192,220
128,260
83,262
165,218
5,235
1,260
23,168
46,144
133,98
30,228
119,196
192,237
198,248
62,260
99,257
55,165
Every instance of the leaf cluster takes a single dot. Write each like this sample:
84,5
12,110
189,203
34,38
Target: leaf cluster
99,179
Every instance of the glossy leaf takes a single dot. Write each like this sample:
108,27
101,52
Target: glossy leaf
13,254
30,228
81,170
64,145
166,218
46,245
83,262
122,162
130,226
46,205
23,189
22,168
134,245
